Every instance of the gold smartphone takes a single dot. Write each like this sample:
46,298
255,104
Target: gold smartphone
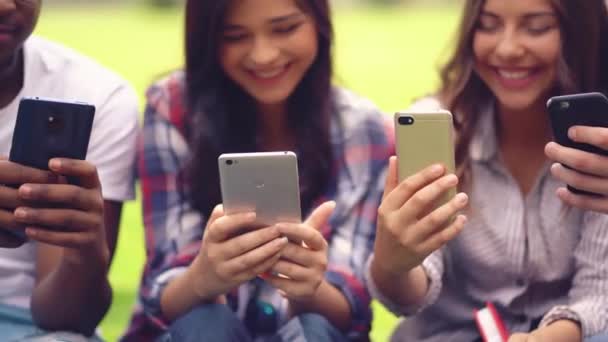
423,139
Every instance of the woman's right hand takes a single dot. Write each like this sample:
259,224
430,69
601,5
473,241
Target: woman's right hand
228,257
409,227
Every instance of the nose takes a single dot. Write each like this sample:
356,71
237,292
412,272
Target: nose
509,46
263,51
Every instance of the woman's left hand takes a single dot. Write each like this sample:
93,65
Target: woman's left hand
593,175
302,266
66,215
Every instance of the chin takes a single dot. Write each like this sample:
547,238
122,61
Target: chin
518,103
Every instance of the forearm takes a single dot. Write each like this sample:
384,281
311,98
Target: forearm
558,331
404,289
328,302
73,297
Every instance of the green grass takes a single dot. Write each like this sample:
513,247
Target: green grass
387,55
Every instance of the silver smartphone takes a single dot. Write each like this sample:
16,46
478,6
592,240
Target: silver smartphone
264,182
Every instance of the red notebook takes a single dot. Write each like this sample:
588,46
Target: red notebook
490,325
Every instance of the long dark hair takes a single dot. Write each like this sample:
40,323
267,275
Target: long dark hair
220,114
582,66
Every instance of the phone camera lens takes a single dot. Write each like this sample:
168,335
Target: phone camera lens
229,162
564,105
406,120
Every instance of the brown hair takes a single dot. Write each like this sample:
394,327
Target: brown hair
584,31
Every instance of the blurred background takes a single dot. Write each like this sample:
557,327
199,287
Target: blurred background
386,50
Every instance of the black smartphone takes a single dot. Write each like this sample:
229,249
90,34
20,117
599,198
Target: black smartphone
585,109
49,128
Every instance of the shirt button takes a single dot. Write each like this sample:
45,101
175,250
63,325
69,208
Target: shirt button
520,282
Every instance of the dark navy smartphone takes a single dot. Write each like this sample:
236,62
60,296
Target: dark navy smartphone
585,109
49,128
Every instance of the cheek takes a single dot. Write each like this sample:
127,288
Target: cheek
228,59
550,50
482,46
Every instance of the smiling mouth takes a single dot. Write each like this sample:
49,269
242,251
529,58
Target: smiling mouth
269,74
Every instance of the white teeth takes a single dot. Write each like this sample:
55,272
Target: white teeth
269,74
514,75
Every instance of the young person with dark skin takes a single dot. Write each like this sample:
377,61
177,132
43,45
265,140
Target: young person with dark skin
59,275
516,244
258,78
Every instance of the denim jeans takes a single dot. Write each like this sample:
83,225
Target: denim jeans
216,322
16,324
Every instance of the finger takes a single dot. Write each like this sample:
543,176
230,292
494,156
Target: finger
255,257
16,174
289,287
423,200
598,204
227,226
9,198
83,171
597,136
291,270
579,180
320,216
65,195
217,212
591,163
302,232
442,237
392,178
8,221
406,189
248,241
61,239
59,219
440,217
298,254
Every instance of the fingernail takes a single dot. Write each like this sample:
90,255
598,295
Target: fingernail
572,133
462,198
21,213
283,240
25,190
55,164
451,180
436,169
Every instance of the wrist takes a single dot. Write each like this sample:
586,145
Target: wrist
202,287
94,260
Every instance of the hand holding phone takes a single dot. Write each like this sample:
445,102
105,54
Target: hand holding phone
44,129
580,156
579,123
418,213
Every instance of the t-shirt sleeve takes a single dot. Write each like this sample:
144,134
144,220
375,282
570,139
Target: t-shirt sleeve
112,143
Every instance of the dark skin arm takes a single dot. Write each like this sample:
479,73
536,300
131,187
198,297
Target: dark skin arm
73,253
53,276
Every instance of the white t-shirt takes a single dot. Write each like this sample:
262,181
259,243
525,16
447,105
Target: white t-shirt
54,71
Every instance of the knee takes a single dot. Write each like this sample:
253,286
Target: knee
202,320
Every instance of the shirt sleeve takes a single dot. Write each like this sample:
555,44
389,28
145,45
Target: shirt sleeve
113,141
433,266
354,227
588,297
173,229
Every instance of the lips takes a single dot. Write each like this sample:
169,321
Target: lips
269,76
516,78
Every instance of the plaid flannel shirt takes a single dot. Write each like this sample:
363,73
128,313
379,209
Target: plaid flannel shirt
362,142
